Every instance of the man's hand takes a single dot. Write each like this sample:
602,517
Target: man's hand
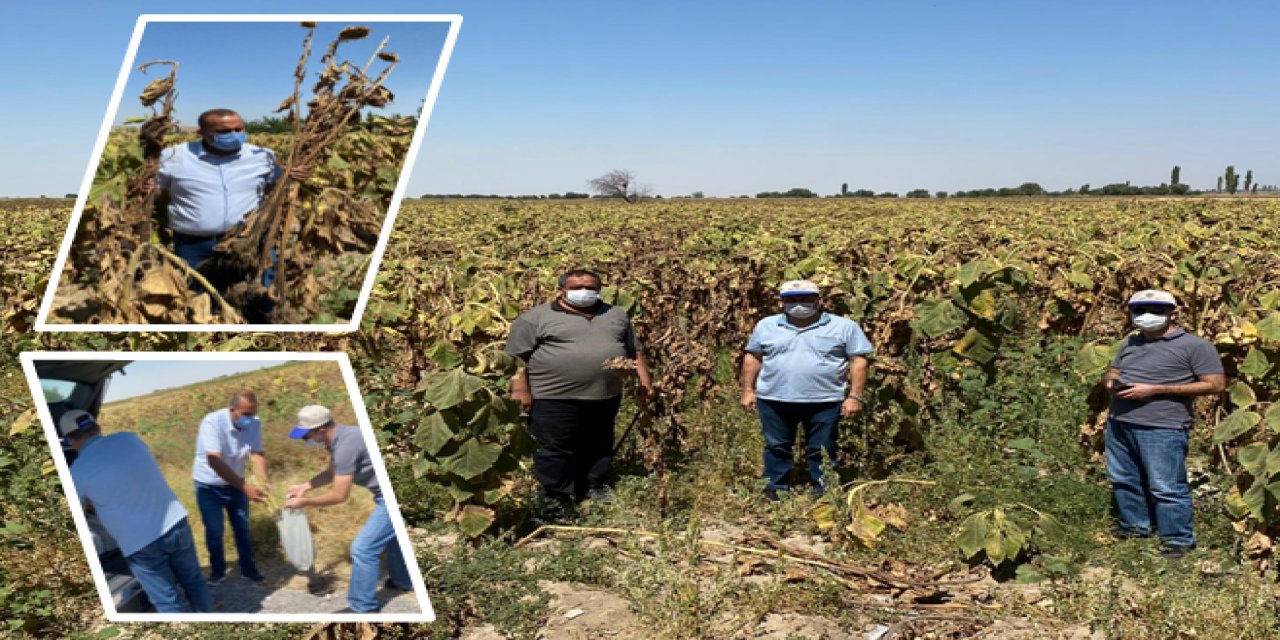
255,494
1139,391
295,502
850,407
748,401
297,490
525,398
149,185
301,174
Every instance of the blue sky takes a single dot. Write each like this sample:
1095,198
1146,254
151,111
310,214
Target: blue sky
146,376
740,97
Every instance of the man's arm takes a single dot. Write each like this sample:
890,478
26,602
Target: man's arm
225,472
751,364
1110,378
260,468
642,375
520,390
858,366
337,494
1205,385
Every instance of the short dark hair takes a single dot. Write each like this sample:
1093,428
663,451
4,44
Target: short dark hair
243,395
200,121
573,273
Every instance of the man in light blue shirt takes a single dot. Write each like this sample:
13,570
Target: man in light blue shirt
803,366
213,182
227,439
117,478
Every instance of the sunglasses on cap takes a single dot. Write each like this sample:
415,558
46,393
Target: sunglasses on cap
1159,309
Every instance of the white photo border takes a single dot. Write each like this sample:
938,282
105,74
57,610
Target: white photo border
453,20
29,358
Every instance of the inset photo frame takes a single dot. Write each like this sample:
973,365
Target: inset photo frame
227,487
247,173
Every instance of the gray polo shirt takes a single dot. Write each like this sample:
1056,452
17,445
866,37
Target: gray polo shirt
351,458
565,351
1176,358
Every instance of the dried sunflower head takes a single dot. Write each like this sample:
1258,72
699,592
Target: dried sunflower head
389,57
353,33
155,90
308,24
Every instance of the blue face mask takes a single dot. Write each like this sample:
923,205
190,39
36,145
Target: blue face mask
229,141
244,422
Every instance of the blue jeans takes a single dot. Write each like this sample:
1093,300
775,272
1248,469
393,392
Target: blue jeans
165,563
779,419
376,537
212,500
1148,473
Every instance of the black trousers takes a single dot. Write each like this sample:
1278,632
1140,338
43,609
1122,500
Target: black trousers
575,444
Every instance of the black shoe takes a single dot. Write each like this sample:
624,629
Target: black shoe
601,496
1120,533
391,585
214,581
257,578
772,495
1175,551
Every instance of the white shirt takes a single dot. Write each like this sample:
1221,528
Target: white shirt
218,435
209,193
118,474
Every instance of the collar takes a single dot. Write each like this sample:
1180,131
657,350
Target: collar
1176,333
785,321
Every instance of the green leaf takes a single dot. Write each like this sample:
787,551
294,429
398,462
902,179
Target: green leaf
1253,457
443,354
1241,394
1015,541
1235,425
993,544
1022,444
970,272
938,317
1080,280
961,503
977,346
1094,359
973,534
436,430
1255,363
450,389
1273,461
865,526
1269,328
1272,418
472,458
1255,499
1028,575
1235,503
474,520
1050,528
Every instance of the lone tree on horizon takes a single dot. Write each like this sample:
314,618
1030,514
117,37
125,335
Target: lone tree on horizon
619,183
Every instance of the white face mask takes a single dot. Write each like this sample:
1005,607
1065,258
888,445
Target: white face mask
1149,321
312,443
800,310
582,298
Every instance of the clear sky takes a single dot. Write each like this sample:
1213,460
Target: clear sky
248,66
145,376
740,97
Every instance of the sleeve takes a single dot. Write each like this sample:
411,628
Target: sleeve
208,439
346,457
857,343
1205,360
523,338
276,171
164,174
756,343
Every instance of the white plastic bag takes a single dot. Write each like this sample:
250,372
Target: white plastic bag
295,537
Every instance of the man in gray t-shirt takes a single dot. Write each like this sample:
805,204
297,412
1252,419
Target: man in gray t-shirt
572,399
350,464
1153,380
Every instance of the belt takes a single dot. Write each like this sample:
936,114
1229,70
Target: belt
187,237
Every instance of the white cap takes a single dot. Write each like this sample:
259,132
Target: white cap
1153,296
75,420
310,417
798,288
